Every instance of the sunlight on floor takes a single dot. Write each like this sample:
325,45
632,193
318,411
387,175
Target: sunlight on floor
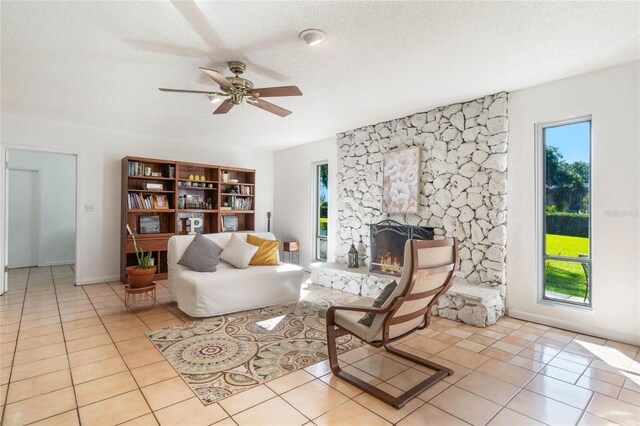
270,324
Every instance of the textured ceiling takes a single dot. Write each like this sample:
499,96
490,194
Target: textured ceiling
100,63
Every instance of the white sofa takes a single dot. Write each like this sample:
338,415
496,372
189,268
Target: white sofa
204,294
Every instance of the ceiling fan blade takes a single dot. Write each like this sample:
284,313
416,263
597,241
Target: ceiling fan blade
268,106
162,89
218,78
224,107
278,91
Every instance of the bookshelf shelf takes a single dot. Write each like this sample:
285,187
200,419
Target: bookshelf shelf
198,181
150,190
236,212
151,210
150,177
171,221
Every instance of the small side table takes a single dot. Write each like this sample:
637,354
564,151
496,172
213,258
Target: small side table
292,248
139,299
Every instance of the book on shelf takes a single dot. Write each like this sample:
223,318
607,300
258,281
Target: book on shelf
139,201
238,203
225,208
136,168
153,186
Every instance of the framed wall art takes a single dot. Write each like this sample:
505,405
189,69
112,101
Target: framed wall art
401,180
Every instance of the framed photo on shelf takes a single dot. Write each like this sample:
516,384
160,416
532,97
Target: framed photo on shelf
160,201
229,223
149,224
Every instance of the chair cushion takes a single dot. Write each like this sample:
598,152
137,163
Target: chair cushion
238,252
367,319
202,255
267,253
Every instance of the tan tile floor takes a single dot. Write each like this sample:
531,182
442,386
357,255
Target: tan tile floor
73,355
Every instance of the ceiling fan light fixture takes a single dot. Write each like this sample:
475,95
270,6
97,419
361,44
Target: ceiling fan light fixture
215,98
312,36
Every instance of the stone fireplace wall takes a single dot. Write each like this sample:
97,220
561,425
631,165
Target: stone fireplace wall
463,185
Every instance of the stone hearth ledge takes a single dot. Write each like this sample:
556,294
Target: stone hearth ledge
470,304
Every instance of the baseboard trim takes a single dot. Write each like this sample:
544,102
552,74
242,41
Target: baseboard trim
98,280
58,263
603,333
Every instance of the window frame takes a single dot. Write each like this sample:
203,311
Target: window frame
316,210
540,206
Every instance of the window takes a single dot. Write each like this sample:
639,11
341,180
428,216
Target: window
321,198
564,211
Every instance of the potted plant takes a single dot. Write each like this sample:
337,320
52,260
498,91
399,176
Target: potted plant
141,275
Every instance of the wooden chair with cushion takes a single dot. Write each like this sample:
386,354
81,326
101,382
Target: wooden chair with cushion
428,270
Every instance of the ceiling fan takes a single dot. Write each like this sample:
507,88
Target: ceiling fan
236,89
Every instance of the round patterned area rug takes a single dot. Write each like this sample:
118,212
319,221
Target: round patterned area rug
221,356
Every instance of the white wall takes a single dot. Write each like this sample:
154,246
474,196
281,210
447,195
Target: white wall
293,201
57,212
611,97
99,153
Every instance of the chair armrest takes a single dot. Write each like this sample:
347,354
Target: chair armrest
331,312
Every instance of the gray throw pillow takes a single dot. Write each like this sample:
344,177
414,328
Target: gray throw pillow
367,319
202,255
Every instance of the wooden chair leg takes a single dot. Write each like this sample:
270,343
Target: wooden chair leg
396,402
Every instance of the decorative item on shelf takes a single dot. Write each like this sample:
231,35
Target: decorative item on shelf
142,274
190,177
202,178
224,176
362,250
152,186
225,206
147,171
160,202
210,185
184,225
352,257
156,174
196,177
195,225
233,181
229,223
182,201
149,224
269,222
172,172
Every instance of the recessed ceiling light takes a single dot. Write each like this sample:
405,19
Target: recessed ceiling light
312,36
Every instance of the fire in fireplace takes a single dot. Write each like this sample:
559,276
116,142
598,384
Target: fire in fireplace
387,244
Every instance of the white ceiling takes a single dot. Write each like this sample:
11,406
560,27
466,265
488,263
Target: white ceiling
100,63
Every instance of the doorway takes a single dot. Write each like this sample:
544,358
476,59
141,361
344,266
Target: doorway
39,212
23,218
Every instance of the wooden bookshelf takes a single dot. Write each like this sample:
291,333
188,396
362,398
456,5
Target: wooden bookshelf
185,197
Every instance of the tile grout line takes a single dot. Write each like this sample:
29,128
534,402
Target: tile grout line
125,363
75,396
24,301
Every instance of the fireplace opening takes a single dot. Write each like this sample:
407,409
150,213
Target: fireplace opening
387,245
